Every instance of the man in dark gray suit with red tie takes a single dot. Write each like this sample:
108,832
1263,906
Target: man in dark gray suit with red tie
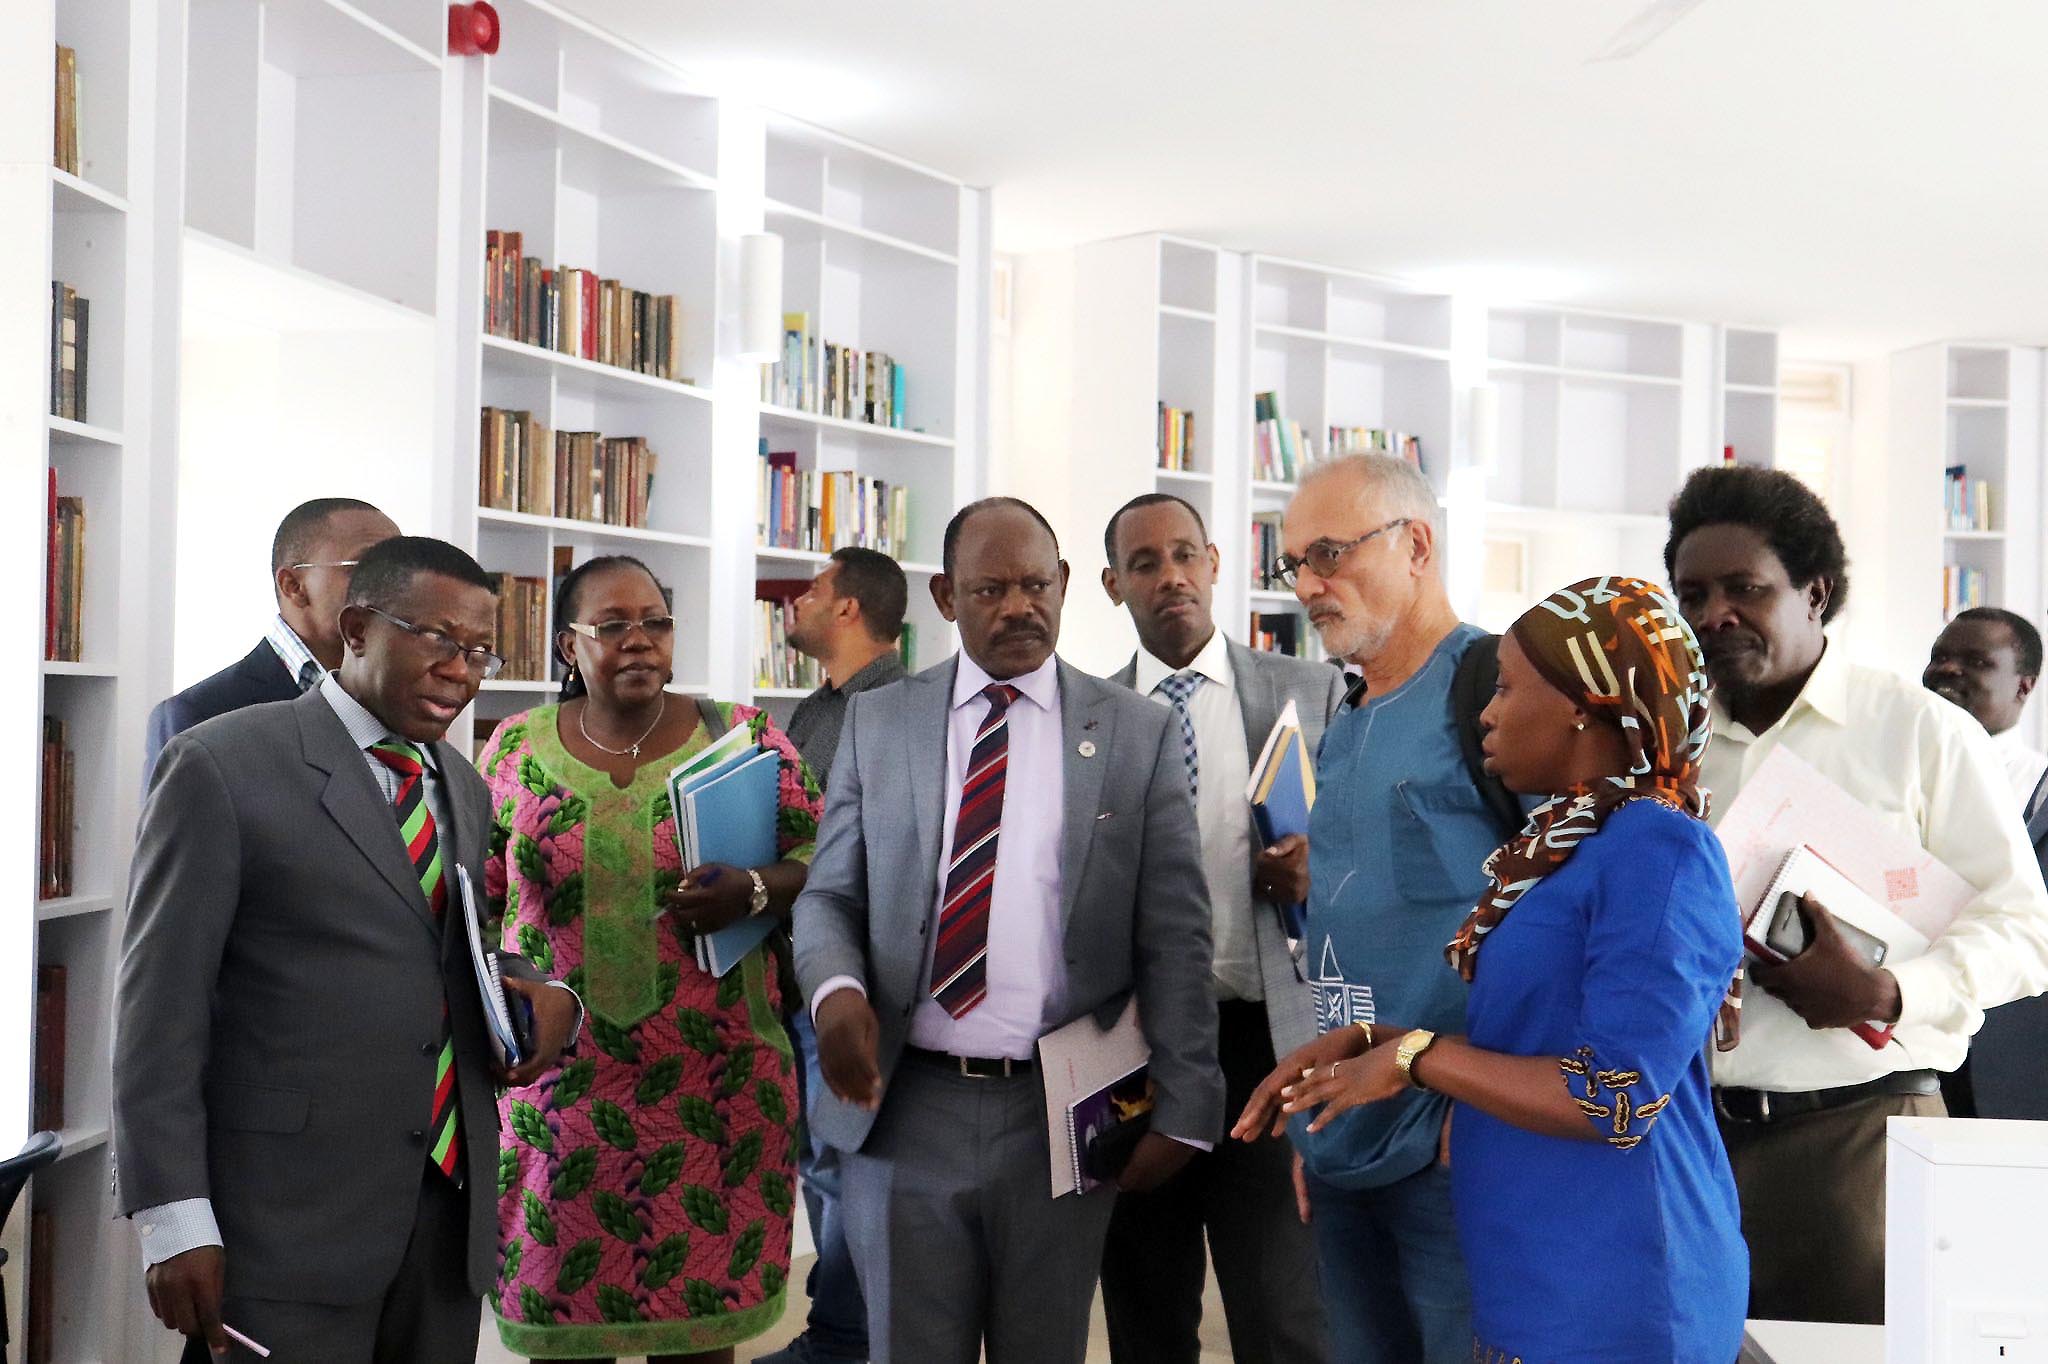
1008,845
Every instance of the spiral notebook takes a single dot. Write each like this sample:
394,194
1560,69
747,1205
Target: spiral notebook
490,978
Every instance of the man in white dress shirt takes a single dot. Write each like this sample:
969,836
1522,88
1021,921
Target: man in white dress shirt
1008,845
1759,570
1241,1199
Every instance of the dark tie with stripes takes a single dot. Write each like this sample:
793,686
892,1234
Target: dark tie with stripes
423,845
960,961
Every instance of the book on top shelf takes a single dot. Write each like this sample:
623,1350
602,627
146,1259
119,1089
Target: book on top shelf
69,318
65,153
821,511
572,310
57,812
522,639
1281,449
1967,503
1176,438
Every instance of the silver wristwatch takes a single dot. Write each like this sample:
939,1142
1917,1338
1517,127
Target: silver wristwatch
758,902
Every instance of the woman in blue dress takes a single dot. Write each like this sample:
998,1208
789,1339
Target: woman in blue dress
1594,1201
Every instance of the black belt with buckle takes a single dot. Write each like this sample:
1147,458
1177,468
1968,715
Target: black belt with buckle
1767,1105
974,1067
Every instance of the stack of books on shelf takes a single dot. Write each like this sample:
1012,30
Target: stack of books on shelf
1966,502
1962,589
580,475
68,326
515,464
1265,549
1176,438
64,595
1276,632
573,311
776,663
522,639
1281,450
58,811
810,509
51,989
65,155
851,384
1371,440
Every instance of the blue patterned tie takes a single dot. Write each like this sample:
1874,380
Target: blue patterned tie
1177,689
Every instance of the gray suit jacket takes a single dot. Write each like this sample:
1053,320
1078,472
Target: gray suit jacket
278,1011
1134,906
1265,683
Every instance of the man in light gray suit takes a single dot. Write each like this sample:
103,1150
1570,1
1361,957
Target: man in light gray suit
1008,845
1223,699
304,1127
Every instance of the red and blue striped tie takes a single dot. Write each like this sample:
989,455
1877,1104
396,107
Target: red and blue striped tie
960,961
423,845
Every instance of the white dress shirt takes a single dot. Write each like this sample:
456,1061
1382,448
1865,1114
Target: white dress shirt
291,651
2024,767
1928,769
1221,810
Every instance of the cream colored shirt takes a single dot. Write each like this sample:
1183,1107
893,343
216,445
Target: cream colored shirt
1222,813
1927,768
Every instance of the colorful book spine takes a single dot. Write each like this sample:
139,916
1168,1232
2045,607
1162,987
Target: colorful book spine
1175,438
575,312
820,511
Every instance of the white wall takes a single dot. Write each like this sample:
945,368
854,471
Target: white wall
291,390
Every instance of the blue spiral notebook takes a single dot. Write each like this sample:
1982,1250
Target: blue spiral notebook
727,813
1282,790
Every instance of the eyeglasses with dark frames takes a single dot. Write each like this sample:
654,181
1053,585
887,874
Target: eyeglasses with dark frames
1324,556
612,633
479,659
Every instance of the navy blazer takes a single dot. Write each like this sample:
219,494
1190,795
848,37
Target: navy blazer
2009,1052
256,677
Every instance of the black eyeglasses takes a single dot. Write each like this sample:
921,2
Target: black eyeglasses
1324,556
612,633
479,659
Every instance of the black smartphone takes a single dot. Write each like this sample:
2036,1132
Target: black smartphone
1788,935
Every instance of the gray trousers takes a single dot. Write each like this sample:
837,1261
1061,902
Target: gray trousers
425,1315
955,1235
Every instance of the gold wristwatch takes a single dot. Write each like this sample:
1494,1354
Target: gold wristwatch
1411,1046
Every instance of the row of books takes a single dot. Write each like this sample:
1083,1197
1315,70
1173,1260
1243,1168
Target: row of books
1371,440
1176,438
64,579
582,475
1963,589
65,154
522,638
1265,548
573,311
51,990
69,325
1966,502
834,380
777,663
1277,632
820,511
58,809
1281,449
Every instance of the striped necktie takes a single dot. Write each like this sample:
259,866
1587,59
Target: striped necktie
423,845
1179,688
960,961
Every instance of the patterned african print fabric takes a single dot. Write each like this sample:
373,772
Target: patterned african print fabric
645,1185
1621,651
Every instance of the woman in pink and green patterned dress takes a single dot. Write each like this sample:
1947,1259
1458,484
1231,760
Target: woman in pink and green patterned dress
645,1186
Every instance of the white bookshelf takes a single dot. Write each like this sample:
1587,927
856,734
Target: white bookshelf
1597,419
1746,374
1977,406
882,255
95,231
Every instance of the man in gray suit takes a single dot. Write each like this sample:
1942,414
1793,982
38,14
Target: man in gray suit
304,1128
1223,699
1008,845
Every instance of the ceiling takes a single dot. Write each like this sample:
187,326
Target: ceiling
1863,173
